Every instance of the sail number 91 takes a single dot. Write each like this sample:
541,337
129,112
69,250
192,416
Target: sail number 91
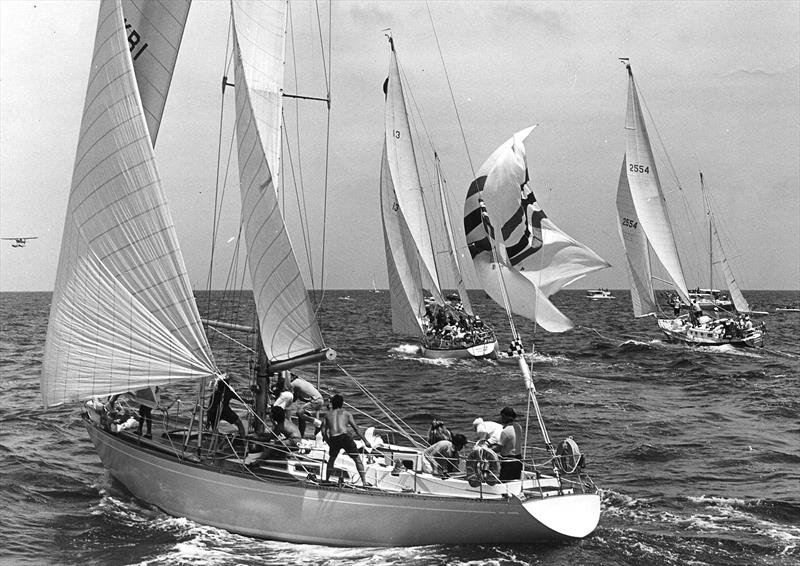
636,168
628,223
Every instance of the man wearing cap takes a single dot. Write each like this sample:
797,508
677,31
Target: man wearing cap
487,432
510,446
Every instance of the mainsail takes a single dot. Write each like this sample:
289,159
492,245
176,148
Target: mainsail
123,315
402,165
646,193
536,257
409,250
637,250
154,31
286,318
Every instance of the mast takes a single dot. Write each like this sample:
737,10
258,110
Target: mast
710,236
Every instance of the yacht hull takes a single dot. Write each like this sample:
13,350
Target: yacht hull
487,350
702,336
306,512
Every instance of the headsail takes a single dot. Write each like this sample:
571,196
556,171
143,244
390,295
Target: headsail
123,315
646,193
637,250
405,281
288,326
717,251
530,244
154,31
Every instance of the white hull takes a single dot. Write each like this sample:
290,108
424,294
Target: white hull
294,510
677,330
487,350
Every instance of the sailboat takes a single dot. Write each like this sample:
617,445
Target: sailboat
447,328
529,258
124,319
374,289
644,225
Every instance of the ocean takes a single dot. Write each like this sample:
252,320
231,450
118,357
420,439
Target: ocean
696,450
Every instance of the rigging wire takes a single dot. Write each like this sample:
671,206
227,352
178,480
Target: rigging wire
299,194
688,210
326,66
495,248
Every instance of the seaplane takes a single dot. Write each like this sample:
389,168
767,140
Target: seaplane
20,242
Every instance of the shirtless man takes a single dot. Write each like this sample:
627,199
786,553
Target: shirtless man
334,432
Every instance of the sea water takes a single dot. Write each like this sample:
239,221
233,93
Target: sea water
696,450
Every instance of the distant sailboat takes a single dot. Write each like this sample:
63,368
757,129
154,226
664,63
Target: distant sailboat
124,319
445,328
645,225
374,289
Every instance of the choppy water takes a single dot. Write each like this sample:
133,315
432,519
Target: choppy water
697,450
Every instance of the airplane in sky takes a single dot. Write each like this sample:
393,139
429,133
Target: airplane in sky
20,242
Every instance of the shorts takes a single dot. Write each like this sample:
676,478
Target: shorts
511,468
341,442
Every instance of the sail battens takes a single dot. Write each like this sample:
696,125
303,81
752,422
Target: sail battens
286,320
121,311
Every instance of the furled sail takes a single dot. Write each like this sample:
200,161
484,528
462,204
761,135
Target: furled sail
286,318
123,315
637,250
402,164
537,257
154,29
645,189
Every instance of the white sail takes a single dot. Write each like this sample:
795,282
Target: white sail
154,29
739,302
402,164
123,315
646,192
286,318
718,251
402,261
637,250
530,246
448,256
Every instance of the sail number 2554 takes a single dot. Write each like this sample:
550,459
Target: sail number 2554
628,223
636,168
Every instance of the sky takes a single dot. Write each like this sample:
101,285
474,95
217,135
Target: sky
720,79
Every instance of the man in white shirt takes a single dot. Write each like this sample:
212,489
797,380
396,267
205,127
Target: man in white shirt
487,432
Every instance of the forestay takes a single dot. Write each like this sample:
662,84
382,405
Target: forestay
537,257
123,315
288,326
